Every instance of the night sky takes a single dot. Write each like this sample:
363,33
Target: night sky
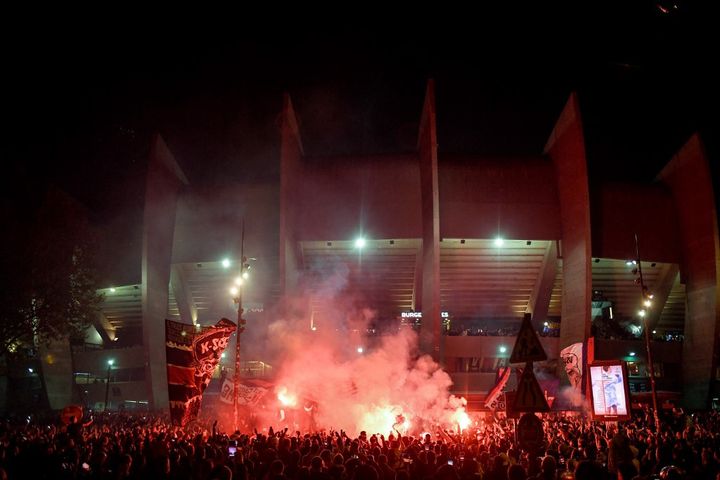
85,97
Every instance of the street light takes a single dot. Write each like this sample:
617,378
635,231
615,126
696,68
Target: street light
107,383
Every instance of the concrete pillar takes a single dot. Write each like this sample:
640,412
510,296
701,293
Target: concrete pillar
291,153
183,295
661,291
163,183
104,327
689,178
430,300
566,148
540,297
57,372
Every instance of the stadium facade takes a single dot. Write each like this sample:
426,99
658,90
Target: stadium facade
465,245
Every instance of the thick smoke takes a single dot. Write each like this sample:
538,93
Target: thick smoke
351,381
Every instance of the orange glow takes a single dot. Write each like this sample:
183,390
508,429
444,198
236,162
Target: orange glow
461,418
378,420
287,399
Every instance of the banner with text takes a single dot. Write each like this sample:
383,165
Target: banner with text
192,355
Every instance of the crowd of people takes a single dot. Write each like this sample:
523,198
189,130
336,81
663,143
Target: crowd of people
124,446
497,332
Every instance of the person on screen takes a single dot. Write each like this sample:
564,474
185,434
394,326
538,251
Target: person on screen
610,380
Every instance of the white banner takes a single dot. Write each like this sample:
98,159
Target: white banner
247,395
572,357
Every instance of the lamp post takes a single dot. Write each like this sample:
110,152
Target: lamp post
647,301
236,291
107,383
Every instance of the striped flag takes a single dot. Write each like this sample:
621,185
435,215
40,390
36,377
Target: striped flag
192,355
503,377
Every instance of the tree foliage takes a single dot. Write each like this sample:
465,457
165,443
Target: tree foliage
50,290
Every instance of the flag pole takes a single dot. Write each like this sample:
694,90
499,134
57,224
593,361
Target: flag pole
240,328
646,298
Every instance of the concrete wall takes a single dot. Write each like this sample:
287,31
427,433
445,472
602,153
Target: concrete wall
621,210
484,197
96,360
118,393
489,346
378,196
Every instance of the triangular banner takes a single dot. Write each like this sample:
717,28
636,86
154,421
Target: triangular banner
529,396
527,345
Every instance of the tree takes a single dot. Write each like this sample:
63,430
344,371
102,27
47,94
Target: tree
48,263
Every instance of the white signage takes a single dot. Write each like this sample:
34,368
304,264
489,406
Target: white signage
419,314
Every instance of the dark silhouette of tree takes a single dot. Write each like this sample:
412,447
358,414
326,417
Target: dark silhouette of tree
49,287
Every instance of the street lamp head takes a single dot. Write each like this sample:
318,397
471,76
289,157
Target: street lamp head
245,275
233,291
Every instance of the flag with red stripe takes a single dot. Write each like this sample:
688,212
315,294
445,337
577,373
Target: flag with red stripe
192,355
493,394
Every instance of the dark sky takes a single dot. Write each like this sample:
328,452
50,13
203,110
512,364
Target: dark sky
85,96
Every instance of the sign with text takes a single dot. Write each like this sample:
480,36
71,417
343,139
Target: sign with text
247,394
419,314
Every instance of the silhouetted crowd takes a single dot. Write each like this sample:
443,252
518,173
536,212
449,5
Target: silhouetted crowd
123,446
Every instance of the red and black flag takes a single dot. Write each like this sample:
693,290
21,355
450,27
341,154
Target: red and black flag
192,355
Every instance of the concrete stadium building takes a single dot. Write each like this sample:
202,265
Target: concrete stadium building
462,241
